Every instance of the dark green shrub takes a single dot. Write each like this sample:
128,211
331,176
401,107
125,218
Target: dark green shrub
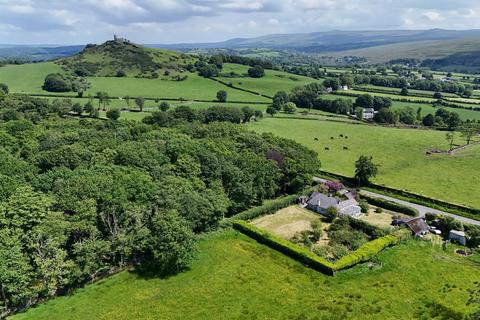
364,206
331,214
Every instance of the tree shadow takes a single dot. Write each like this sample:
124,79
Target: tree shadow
152,271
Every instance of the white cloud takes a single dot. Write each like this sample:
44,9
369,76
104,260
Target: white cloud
273,22
22,9
433,16
151,21
242,5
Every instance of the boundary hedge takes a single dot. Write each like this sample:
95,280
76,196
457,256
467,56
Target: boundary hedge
267,208
370,250
390,205
286,247
362,254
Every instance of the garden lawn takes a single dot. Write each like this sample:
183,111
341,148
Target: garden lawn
288,221
271,83
234,277
401,154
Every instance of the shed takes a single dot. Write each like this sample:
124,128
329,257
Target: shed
418,226
458,237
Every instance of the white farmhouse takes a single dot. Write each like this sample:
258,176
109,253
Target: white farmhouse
320,203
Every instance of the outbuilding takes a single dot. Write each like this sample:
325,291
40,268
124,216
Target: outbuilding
418,227
458,237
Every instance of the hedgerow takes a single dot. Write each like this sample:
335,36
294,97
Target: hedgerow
390,205
303,255
367,228
294,251
368,251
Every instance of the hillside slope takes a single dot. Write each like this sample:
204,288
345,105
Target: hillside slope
122,58
335,41
421,50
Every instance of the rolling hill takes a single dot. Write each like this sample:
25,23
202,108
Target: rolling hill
38,53
334,41
455,50
123,58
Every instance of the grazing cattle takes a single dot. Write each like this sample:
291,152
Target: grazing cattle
341,136
316,139
327,149
331,138
345,148
346,137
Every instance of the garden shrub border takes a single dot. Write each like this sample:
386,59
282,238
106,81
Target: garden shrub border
267,208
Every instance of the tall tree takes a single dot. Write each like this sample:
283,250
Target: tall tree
450,136
469,131
140,102
365,169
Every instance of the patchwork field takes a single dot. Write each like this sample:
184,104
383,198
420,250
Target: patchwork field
426,107
194,87
401,154
234,277
28,78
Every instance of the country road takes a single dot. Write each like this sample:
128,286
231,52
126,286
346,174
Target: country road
421,209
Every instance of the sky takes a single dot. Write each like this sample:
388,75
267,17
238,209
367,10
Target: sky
179,21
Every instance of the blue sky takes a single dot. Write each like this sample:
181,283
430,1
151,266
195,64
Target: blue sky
174,21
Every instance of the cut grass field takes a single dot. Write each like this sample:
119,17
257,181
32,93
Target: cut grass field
234,277
286,222
399,152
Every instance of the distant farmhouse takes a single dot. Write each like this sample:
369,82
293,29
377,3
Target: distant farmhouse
320,203
368,113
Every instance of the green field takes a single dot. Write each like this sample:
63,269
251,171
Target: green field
273,81
426,107
28,78
236,278
400,153
195,87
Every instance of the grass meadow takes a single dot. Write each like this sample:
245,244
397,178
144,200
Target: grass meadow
401,154
234,277
27,78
